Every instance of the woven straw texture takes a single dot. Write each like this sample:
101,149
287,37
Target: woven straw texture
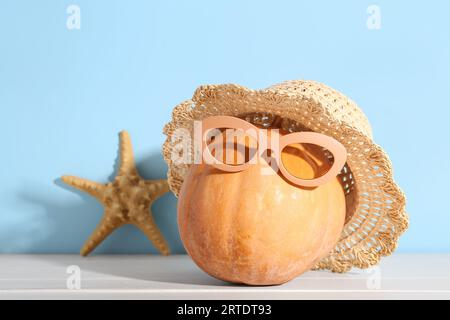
376,214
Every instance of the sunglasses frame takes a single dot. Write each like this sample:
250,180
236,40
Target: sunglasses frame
332,145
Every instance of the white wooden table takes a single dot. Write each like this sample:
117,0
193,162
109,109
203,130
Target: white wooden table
401,276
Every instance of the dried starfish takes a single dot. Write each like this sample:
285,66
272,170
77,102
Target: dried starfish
127,200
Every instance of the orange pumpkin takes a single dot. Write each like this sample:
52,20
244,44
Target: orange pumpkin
259,229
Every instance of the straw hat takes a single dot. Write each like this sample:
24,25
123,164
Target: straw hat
376,214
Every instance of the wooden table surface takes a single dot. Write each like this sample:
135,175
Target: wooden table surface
401,276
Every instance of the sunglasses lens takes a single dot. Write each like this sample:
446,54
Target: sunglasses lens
231,146
306,161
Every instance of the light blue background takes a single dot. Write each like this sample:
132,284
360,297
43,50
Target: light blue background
65,95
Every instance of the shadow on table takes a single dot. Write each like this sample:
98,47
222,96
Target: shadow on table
170,269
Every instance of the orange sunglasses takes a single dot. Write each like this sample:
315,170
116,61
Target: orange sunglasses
227,122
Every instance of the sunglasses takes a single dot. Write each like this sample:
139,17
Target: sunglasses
228,130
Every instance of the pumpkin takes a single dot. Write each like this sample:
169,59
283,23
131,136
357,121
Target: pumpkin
259,229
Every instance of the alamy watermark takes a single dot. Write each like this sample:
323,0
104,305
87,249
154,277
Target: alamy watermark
73,281
73,21
374,17
223,146
373,281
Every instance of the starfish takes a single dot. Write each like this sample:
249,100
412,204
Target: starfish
126,200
